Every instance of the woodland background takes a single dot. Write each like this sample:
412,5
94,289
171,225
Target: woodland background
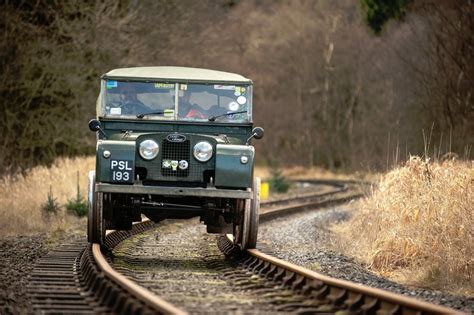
351,85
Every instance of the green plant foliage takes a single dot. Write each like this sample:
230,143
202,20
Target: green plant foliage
78,205
278,182
50,206
378,12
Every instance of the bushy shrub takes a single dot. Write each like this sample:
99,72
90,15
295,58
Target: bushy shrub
50,206
278,182
78,205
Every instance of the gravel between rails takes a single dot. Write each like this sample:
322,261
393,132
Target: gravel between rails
181,263
304,239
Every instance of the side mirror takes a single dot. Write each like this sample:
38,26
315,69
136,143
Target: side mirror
258,132
94,125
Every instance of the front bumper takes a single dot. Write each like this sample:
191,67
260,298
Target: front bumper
173,191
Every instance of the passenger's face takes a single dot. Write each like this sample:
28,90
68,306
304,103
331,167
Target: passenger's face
185,98
128,95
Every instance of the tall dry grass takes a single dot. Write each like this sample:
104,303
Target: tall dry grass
22,196
418,226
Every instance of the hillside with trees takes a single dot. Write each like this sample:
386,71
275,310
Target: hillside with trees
345,90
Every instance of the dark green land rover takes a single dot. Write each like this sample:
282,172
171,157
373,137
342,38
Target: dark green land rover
174,142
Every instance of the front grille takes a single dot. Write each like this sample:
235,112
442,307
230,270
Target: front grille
175,151
153,171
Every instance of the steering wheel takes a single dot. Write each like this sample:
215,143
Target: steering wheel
133,108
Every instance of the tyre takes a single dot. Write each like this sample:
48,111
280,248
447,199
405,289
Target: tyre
95,216
254,215
246,228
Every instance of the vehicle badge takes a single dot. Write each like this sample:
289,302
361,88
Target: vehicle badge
174,165
166,164
175,137
183,164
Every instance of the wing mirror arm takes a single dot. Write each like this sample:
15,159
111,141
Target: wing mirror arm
257,133
94,125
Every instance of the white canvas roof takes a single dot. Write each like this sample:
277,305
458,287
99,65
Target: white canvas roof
176,74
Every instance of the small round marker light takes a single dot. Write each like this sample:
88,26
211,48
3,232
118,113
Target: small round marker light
106,154
244,159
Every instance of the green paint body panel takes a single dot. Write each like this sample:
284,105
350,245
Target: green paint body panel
123,137
230,171
116,128
120,150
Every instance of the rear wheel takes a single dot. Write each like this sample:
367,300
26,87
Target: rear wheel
95,217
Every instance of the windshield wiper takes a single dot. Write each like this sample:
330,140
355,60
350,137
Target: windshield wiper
152,113
213,118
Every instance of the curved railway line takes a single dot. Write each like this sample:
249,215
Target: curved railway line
89,279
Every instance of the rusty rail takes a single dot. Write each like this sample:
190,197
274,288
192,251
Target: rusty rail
338,295
147,297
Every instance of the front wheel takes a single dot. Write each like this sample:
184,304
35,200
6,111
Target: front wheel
254,214
246,227
95,216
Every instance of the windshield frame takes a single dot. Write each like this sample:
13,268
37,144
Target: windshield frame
101,101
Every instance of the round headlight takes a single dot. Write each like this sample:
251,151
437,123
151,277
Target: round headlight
203,151
148,149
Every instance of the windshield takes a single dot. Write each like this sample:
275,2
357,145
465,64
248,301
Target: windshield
175,101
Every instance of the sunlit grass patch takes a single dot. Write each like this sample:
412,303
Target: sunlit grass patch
418,226
22,197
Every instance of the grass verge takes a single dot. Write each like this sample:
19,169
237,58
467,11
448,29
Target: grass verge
417,227
22,196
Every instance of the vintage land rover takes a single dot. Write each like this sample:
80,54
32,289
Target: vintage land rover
174,142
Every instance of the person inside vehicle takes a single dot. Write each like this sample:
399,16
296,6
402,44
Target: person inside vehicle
130,103
188,110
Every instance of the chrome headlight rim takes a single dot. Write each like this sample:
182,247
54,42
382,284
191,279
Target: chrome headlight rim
203,151
148,149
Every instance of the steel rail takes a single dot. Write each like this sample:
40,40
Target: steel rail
157,303
92,267
306,196
385,296
394,302
147,297
378,294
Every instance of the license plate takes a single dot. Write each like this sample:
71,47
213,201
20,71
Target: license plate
121,171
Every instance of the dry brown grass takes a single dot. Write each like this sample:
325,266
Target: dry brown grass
21,197
418,226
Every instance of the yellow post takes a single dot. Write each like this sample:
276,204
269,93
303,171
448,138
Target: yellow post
264,191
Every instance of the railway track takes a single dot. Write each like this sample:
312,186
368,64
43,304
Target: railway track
80,279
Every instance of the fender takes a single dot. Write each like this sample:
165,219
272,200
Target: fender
231,168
